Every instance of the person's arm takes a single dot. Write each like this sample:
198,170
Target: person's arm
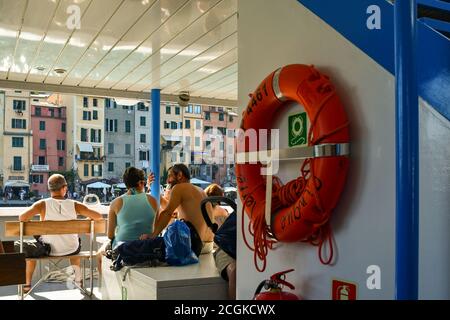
83,210
166,214
112,221
150,180
35,209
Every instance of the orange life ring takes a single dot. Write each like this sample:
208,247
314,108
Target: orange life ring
301,208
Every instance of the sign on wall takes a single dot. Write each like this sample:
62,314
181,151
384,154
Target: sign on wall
343,290
298,128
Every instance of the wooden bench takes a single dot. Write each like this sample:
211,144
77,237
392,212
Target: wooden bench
32,228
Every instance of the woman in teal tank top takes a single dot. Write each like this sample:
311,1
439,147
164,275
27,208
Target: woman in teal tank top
132,214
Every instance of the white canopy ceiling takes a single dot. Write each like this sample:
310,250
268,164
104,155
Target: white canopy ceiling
132,45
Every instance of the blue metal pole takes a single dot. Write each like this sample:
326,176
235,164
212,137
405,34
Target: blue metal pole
407,158
155,134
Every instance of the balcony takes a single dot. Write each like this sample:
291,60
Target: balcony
17,168
89,158
40,167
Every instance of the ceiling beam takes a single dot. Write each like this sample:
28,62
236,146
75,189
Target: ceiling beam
99,92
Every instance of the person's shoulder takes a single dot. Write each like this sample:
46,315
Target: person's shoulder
40,203
150,197
117,201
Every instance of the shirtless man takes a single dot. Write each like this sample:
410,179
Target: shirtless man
185,198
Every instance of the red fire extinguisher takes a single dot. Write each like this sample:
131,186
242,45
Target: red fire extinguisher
273,285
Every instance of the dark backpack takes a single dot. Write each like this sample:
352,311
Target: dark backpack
225,236
138,251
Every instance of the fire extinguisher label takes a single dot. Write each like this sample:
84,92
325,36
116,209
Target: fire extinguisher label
343,290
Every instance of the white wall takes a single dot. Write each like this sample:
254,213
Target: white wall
276,33
434,278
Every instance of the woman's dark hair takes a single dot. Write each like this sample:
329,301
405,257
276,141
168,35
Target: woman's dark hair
179,167
132,176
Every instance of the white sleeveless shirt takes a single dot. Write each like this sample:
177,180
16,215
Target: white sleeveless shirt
61,210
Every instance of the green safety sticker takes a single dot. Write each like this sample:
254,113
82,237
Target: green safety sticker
124,293
297,129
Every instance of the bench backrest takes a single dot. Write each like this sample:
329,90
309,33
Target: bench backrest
32,228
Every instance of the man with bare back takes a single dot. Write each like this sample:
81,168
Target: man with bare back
185,198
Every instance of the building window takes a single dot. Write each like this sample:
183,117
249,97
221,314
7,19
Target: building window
95,102
42,144
59,113
223,131
166,125
107,103
222,145
110,148
95,115
110,166
127,126
96,135
207,128
198,124
207,115
221,118
42,125
230,118
86,115
18,123
173,125
17,142
142,155
177,110
96,170
142,121
37,111
127,165
63,127
230,133
141,107
127,148
19,105
188,108
197,141
116,125
180,125
187,124
60,145
41,160
143,138
188,141
17,163
85,104
52,113
84,137
38,179
198,109
167,109
86,170
61,161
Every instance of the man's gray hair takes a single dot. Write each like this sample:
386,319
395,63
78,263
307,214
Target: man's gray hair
56,182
